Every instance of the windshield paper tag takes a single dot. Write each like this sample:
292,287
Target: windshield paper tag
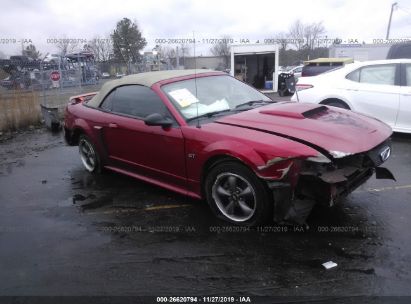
184,97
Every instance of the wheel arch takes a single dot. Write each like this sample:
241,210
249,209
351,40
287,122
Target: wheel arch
76,135
340,99
79,127
229,150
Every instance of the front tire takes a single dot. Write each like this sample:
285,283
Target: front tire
89,155
237,195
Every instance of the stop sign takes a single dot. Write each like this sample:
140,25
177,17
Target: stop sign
55,76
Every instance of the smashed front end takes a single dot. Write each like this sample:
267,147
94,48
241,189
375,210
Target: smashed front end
325,180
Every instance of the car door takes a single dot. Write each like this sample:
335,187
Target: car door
297,72
374,90
151,151
404,114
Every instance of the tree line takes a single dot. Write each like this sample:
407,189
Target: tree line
123,44
302,41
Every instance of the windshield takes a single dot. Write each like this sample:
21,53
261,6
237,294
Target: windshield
213,94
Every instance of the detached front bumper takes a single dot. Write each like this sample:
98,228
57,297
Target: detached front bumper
327,183
330,188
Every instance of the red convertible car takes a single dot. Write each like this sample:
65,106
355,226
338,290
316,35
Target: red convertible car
208,135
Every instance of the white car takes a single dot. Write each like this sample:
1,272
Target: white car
381,89
296,71
52,58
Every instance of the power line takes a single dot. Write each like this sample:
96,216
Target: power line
405,10
407,13
405,7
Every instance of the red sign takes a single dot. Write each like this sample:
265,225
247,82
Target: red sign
55,76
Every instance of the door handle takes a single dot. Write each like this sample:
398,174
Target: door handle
112,125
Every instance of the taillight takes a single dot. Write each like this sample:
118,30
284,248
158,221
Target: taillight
76,100
300,86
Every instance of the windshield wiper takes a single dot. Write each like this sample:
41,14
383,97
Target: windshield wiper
209,114
252,102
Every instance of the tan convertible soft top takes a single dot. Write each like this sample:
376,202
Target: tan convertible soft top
145,79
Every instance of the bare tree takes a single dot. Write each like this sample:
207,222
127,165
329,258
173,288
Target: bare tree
170,53
184,50
312,33
102,48
222,49
305,35
296,33
166,52
282,39
66,46
31,52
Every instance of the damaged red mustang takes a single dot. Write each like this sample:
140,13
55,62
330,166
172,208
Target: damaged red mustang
208,135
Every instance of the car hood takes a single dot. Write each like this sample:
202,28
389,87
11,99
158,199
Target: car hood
334,131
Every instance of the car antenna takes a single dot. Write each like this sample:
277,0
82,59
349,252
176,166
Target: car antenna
195,80
296,94
296,91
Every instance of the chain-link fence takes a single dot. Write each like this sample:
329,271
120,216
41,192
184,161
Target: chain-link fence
25,85
23,91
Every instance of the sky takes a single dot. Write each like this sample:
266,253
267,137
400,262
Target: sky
41,21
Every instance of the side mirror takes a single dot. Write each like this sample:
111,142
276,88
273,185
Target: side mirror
156,119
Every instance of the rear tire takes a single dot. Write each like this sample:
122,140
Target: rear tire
89,155
237,195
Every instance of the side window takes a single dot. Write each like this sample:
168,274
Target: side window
408,75
378,74
354,76
138,101
107,103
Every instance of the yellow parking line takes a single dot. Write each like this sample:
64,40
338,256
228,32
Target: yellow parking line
166,207
388,188
152,208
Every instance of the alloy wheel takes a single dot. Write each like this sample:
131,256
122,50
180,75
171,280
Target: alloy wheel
87,155
234,196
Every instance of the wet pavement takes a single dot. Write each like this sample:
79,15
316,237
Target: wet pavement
64,231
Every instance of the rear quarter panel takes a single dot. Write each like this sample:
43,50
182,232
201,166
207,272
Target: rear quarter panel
81,118
335,87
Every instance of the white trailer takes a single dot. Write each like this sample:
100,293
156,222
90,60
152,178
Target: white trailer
256,64
360,52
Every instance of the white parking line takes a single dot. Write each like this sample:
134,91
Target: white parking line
166,207
388,188
129,210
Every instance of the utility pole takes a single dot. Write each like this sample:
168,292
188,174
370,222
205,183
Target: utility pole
177,59
389,21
